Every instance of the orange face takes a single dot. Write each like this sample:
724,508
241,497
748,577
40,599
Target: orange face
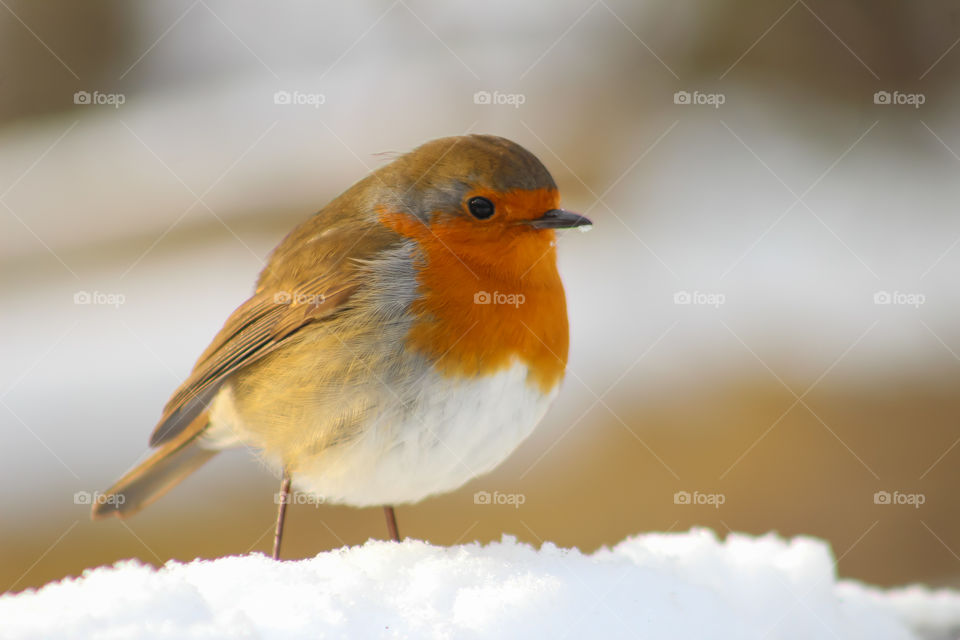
489,290
516,205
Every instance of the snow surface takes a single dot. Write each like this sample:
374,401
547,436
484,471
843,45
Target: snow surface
676,586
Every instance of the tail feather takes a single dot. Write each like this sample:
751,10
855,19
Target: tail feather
156,475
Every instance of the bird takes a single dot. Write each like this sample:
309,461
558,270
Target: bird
398,343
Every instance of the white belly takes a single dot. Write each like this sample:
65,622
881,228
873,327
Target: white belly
456,431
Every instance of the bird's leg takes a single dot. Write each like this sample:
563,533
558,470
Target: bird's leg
281,513
391,523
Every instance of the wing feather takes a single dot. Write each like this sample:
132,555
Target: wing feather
260,325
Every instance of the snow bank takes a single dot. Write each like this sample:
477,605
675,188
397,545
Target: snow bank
671,586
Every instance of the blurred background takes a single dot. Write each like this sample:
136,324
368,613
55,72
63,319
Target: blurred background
764,317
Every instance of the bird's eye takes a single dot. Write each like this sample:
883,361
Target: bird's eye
480,208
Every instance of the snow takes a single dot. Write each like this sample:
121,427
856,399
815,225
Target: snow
676,586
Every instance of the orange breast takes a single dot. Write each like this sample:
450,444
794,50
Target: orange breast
488,295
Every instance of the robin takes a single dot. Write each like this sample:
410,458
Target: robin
403,340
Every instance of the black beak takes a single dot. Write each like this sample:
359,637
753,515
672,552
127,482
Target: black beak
559,219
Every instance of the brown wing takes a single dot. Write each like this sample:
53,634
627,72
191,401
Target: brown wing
256,328
311,275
